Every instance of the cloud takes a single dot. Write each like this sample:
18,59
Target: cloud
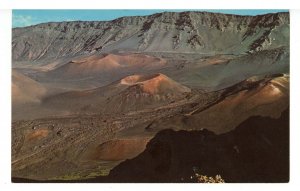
19,20
23,20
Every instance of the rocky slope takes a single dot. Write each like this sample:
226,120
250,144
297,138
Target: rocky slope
256,151
185,32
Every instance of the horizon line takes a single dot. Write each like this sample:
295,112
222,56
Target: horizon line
28,21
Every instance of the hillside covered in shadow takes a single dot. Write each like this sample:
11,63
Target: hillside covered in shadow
256,151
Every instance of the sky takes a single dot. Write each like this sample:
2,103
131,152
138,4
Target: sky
22,18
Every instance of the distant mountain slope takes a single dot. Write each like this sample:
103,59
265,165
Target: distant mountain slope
200,32
231,71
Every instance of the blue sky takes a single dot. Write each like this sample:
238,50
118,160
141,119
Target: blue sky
23,18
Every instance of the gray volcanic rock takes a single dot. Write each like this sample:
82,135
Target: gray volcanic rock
184,32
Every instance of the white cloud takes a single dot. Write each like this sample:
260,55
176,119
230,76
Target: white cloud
23,20
27,20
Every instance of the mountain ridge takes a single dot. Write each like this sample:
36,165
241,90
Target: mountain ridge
200,32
